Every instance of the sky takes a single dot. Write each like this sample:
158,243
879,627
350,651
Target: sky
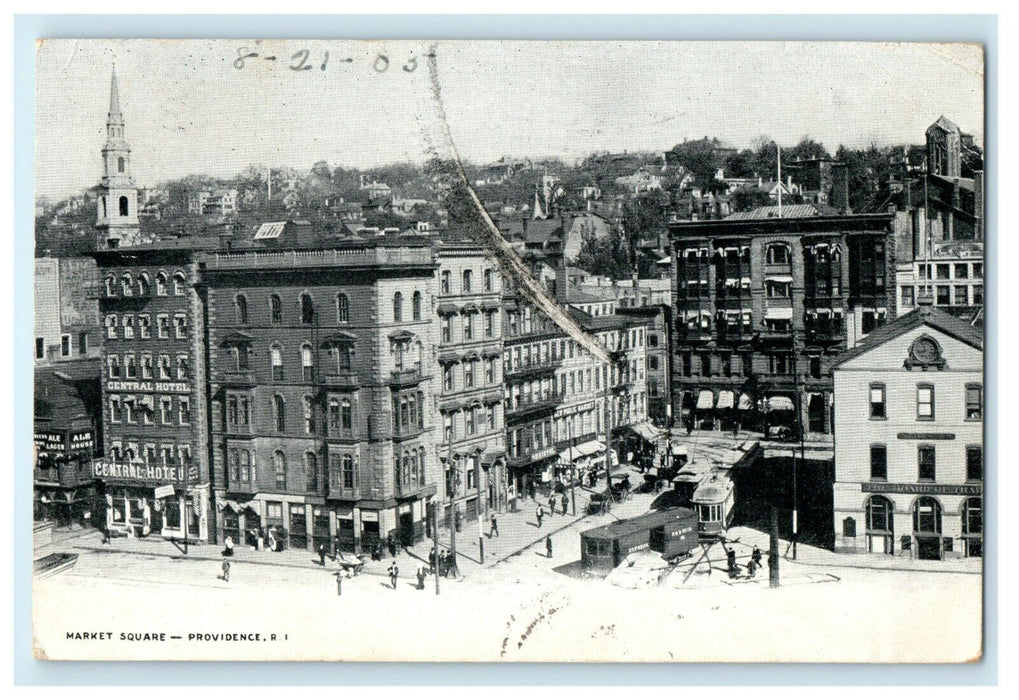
192,107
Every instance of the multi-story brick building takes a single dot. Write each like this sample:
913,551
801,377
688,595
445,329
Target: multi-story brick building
155,476
908,439
470,396
67,327
764,307
322,406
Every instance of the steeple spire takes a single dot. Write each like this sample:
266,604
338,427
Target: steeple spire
114,117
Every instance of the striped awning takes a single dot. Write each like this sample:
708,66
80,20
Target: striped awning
780,403
745,404
726,399
705,399
781,312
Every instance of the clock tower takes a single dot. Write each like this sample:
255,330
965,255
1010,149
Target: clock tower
117,207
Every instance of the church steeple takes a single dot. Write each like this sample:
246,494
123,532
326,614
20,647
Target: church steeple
117,215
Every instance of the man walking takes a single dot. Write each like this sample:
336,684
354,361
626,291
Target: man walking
494,532
551,504
421,577
226,571
394,574
566,503
322,554
539,514
548,546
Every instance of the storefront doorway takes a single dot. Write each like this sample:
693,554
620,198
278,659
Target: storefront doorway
406,529
927,527
816,413
298,526
973,527
880,533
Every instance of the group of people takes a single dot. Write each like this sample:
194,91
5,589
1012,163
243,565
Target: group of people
753,564
444,561
375,548
539,512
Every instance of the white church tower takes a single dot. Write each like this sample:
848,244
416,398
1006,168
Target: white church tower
117,208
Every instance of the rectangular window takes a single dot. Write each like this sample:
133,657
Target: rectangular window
65,346
128,323
83,343
961,271
40,348
163,326
974,463
146,366
961,295
184,406
907,296
180,325
166,411
877,401
974,402
944,295
925,458
943,271
925,402
878,462
114,409
978,294
144,326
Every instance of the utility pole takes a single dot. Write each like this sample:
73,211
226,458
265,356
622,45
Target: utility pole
433,508
773,549
573,474
481,535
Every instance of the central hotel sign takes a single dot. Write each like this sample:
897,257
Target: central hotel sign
926,489
136,472
161,387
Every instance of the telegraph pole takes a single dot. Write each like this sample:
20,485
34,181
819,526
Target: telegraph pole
481,535
434,517
573,474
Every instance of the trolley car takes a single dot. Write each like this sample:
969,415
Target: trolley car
713,500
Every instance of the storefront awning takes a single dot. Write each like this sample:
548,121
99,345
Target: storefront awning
779,278
780,313
646,431
745,404
591,447
705,400
780,403
726,399
679,450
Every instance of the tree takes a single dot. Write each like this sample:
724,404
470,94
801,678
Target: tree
609,256
644,215
700,158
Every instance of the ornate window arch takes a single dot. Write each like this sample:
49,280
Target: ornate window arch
279,413
342,308
398,307
241,309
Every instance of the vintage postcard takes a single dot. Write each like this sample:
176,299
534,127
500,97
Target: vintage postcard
508,351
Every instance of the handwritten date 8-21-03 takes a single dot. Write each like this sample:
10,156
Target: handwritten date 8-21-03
304,60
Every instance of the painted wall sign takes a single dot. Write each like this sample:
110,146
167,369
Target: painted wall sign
50,441
161,387
926,436
926,489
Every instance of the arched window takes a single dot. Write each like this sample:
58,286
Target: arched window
342,308
276,360
123,206
488,280
307,309
334,415
307,363
445,282
778,254
143,285
111,286
279,465
927,516
241,305
279,413
311,471
102,200
235,465
309,415
161,284
398,307
126,285
346,415
467,280
120,164
178,284
879,515
415,306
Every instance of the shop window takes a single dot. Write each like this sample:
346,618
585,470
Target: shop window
926,463
974,463
974,402
972,517
879,514
925,402
878,462
927,515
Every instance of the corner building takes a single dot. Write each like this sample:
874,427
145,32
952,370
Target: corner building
909,439
321,392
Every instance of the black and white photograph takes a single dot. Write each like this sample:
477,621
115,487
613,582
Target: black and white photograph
508,351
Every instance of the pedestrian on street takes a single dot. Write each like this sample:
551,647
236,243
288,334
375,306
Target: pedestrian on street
322,554
539,514
421,577
756,556
106,534
394,574
336,546
228,546
226,571
339,583
751,567
730,556
391,543
566,502
548,546
551,504
495,528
